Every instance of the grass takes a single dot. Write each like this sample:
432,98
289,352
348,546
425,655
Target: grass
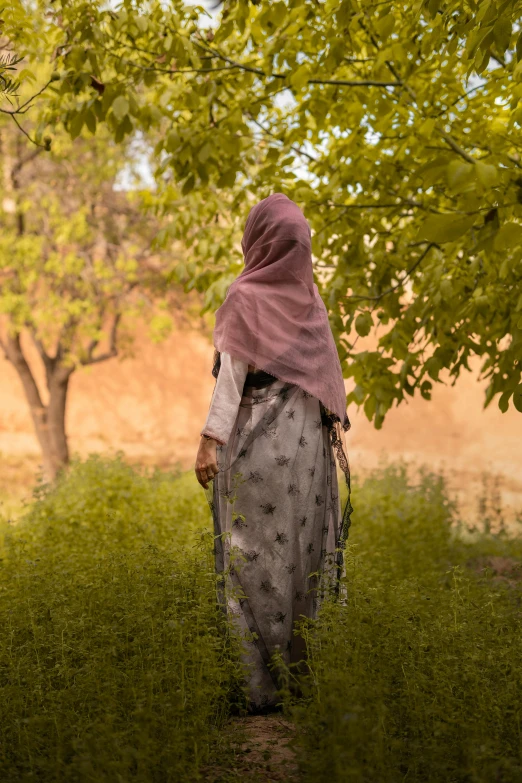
115,664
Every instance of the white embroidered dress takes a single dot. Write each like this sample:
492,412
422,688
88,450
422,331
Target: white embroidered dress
280,541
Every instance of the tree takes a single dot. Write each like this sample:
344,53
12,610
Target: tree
17,39
396,127
75,261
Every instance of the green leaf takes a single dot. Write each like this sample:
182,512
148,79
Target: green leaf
142,23
502,33
358,394
460,174
25,75
235,119
503,402
446,288
227,179
90,121
482,60
485,44
516,337
433,367
426,128
299,77
433,7
444,228
505,266
452,46
75,125
205,152
149,78
385,26
120,107
519,48
363,324
275,14
188,185
517,398
425,390
124,128
486,174
432,170
508,236
369,407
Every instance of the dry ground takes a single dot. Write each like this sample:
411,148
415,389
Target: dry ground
260,752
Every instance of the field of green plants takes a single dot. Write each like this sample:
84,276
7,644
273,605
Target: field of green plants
116,665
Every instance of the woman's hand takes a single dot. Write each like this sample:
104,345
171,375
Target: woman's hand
206,461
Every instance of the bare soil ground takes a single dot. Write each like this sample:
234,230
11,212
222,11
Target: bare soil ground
260,752
503,570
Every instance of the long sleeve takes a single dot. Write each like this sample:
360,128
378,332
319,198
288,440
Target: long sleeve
226,397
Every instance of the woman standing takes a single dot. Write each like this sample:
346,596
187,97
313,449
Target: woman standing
277,413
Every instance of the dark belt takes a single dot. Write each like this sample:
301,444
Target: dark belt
259,379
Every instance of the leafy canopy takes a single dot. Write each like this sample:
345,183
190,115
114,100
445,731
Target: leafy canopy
395,126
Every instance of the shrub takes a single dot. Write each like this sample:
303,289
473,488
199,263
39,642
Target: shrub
115,664
417,676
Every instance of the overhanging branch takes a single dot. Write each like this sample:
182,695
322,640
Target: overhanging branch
27,104
259,72
400,283
447,138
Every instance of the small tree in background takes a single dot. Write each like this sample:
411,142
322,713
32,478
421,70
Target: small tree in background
75,265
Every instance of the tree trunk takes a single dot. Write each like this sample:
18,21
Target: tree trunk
58,388
49,421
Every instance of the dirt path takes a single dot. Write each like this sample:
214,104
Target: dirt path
260,752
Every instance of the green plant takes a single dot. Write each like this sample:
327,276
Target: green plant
115,661
416,677
117,665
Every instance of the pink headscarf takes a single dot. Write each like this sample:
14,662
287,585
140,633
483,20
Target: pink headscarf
273,316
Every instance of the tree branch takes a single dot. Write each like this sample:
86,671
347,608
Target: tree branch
259,72
20,109
403,202
52,363
298,150
113,347
354,83
447,138
46,359
14,353
172,71
45,146
400,282
90,350
460,98
454,146
365,206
